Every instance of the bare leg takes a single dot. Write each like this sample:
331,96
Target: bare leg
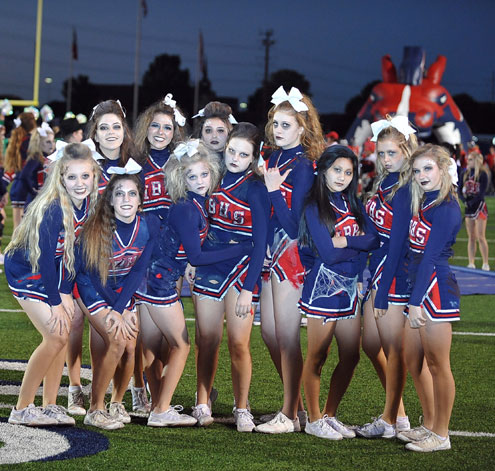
124,370
480,227
471,232
51,381
74,347
347,332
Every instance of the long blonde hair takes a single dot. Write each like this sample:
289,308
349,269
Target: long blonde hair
407,147
27,235
176,169
447,189
478,166
312,136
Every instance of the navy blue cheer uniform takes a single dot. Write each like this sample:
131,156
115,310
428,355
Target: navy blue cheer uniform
432,234
156,199
330,287
132,246
18,192
287,208
472,193
32,177
239,212
52,277
180,242
388,264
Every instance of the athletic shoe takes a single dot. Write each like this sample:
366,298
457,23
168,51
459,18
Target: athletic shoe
471,265
102,419
376,429
58,413
117,411
432,442
244,420
32,416
171,418
280,424
202,413
338,426
415,435
485,267
402,424
75,402
302,415
140,402
267,417
322,428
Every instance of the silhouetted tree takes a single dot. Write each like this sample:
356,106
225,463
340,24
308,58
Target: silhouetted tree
85,94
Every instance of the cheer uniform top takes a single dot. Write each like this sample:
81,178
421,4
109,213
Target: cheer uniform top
156,199
52,277
132,246
180,242
330,287
432,234
388,262
239,211
18,193
32,177
472,193
287,208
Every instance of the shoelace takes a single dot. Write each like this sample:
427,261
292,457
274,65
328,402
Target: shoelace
177,408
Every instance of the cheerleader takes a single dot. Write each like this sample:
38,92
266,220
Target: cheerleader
158,130
294,129
213,126
40,269
15,159
383,331
116,247
435,299
474,183
189,176
239,211
41,145
334,232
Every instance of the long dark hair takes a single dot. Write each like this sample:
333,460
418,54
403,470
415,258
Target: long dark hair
319,194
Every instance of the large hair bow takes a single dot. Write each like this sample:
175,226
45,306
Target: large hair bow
294,98
454,176
180,120
46,113
190,148
33,110
44,130
201,114
6,108
59,150
131,167
401,123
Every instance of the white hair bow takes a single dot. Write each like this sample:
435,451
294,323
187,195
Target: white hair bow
131,168
33,110
46,113
401,123
173,104
59,146
294,98
190,148
17,122
454,176
6,107
201,113
44,130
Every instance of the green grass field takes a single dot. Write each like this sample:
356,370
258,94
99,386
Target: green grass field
220,446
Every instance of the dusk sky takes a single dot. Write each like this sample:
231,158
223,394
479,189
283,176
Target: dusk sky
337,48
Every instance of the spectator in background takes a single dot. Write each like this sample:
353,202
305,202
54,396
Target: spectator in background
331,138
71,130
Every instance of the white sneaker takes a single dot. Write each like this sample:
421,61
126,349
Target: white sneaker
117,411
140,402
432,442
338,426
376,429
202,413
471,265
321,428
213,397
102,419
280,424
32,416
417,434
171,418
485,267
58,413
244,420
75,402
402,424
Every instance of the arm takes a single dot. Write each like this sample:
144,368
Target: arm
29,176
302,178
370,240
445,224
186,220
399,233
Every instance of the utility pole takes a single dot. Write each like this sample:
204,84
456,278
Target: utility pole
267,42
